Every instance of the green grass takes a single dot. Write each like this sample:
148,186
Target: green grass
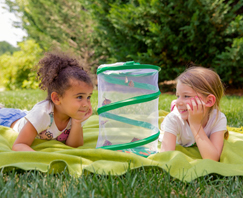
26,99
231,106
149,182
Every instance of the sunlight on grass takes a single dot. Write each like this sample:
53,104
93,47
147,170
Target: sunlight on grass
232,107
26,99
22,99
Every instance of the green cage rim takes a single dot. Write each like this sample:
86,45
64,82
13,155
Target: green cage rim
134,66
138,85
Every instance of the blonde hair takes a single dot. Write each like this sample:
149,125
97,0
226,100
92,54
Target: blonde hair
204,81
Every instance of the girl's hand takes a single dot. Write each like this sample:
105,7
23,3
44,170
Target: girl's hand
196,111
86,116
25,138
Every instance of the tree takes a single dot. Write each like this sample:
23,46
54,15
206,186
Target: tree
168,33
64,24
7,47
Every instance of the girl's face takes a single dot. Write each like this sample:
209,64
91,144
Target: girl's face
75,102
184,95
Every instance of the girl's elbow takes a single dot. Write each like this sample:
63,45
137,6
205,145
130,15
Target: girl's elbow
215,157
14,148
75,145
82,143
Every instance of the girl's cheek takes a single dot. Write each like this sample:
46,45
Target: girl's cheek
188,101
190,104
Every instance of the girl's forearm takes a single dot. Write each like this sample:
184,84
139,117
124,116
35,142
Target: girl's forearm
168,143
205,146
22,147
75,138
166,147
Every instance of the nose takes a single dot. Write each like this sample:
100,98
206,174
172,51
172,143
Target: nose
179,101
86,103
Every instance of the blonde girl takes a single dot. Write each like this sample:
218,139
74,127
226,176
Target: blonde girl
196,118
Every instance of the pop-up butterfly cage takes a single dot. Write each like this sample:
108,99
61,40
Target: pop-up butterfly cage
128,107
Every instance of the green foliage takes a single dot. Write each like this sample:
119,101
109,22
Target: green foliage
230,62
17,70
6,47
168,33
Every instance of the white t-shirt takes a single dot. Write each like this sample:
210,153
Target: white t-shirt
173,123
41,116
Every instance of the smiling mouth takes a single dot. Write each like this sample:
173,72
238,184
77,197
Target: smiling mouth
183,111
82,111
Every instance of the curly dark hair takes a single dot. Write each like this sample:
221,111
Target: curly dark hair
56,69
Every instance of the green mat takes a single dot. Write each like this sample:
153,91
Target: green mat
184,163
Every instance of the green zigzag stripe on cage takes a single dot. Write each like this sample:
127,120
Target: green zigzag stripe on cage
102,111
132,122
129,101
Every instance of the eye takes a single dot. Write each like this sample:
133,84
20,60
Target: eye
177,96
79,97
187,96
89,97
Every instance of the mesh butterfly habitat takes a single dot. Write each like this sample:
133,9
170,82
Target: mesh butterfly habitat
128,107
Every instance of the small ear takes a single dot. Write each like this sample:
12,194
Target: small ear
210,100
55,98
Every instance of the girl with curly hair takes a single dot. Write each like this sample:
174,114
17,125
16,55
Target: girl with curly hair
62,115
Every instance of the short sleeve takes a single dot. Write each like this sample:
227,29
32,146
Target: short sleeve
170,124
40,116
220,124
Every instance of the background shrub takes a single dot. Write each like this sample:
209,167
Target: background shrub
229,64
171,34
17,70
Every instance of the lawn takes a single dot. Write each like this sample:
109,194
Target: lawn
149,182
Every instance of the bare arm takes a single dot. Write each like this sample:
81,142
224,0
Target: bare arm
168,143
25,138
209,148
75,138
